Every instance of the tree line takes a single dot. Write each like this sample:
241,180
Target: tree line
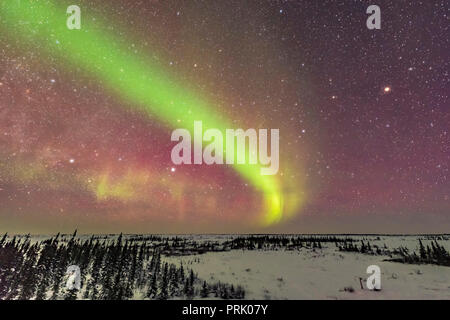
111,270
276,242
433,253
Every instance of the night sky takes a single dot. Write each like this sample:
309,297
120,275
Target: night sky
86,116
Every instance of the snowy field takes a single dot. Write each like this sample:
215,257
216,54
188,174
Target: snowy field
315,269
318,275
324,273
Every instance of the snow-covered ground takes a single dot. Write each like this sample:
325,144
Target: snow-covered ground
322,274
325,273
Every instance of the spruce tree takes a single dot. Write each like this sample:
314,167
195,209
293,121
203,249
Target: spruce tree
205,290
163,293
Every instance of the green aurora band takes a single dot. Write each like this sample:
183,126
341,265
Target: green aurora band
135,79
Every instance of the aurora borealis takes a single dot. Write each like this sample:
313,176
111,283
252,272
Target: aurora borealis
86,116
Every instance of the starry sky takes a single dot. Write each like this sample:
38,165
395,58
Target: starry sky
86,116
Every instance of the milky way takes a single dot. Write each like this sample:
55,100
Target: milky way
86,116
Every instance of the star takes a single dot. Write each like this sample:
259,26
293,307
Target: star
112,96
